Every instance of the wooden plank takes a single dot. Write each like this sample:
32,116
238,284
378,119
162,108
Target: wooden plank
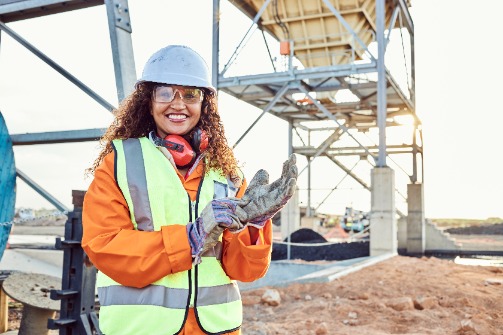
4,311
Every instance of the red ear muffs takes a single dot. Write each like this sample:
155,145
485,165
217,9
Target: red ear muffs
180,149
199,140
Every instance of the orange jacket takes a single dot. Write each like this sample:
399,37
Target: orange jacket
138,258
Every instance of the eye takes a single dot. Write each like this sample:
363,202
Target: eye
163,94
190,94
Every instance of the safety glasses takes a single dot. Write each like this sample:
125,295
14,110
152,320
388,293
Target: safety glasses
189,95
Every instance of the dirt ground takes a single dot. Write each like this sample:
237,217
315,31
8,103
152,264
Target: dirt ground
402,295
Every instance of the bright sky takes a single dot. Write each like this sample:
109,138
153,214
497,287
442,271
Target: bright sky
457,75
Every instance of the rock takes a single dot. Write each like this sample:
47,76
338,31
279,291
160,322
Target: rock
493,281
467,328
353,322
352,315
250,300
400,304
327,295
308,297
257,328
322,329
421,303
271,297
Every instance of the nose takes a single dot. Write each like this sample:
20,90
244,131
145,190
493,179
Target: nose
177,101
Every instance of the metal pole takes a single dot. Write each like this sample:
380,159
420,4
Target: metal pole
215,44
290,151
119,25
381,83
308,209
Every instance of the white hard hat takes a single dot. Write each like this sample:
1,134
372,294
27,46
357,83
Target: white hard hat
177,65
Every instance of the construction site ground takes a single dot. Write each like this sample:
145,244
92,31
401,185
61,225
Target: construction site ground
366,295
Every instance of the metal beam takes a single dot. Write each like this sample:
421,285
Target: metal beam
348,171
322,147
406,14
266,109
335,187
321,72
57,67
348,27
245,39
41,191
16,10
381,82
52,137
119,25
215,63
333,118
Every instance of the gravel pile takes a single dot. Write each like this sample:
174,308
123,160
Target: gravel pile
311,246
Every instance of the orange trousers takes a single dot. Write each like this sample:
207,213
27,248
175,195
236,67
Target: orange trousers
192,328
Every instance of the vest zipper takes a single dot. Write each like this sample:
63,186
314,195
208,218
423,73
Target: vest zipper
194,284
197,196
192,205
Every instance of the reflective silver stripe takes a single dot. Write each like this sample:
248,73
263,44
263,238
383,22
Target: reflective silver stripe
156,295
137,183
217,294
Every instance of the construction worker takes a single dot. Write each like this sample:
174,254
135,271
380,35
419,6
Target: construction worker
166,219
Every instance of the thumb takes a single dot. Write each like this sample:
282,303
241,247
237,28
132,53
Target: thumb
241,214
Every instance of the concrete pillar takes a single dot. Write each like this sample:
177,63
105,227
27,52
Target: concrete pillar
416,236
402,233
383,225
290,216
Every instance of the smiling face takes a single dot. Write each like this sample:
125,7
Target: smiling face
176,117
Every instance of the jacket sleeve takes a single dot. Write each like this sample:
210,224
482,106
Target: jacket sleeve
247,255
128,256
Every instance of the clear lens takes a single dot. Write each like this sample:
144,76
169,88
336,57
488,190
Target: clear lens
189,95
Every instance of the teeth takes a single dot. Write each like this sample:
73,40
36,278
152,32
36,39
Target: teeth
177,116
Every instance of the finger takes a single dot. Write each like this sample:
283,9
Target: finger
284,173
287,164
290,187
290,172
260,178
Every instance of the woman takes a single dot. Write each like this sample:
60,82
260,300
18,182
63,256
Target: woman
163,222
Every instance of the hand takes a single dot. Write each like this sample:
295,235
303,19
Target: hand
262,201
218,215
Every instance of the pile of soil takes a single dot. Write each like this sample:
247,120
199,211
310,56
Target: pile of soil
492,229
308,245
402,295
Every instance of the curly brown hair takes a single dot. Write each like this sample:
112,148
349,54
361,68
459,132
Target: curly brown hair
133,120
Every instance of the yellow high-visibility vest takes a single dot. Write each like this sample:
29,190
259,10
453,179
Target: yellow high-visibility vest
156,198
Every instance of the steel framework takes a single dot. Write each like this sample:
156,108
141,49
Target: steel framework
122,51
331,40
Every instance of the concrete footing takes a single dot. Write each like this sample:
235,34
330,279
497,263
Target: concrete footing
383,225
416,235
290,216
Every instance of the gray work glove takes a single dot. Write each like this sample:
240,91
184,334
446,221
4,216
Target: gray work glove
204,233
261,200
